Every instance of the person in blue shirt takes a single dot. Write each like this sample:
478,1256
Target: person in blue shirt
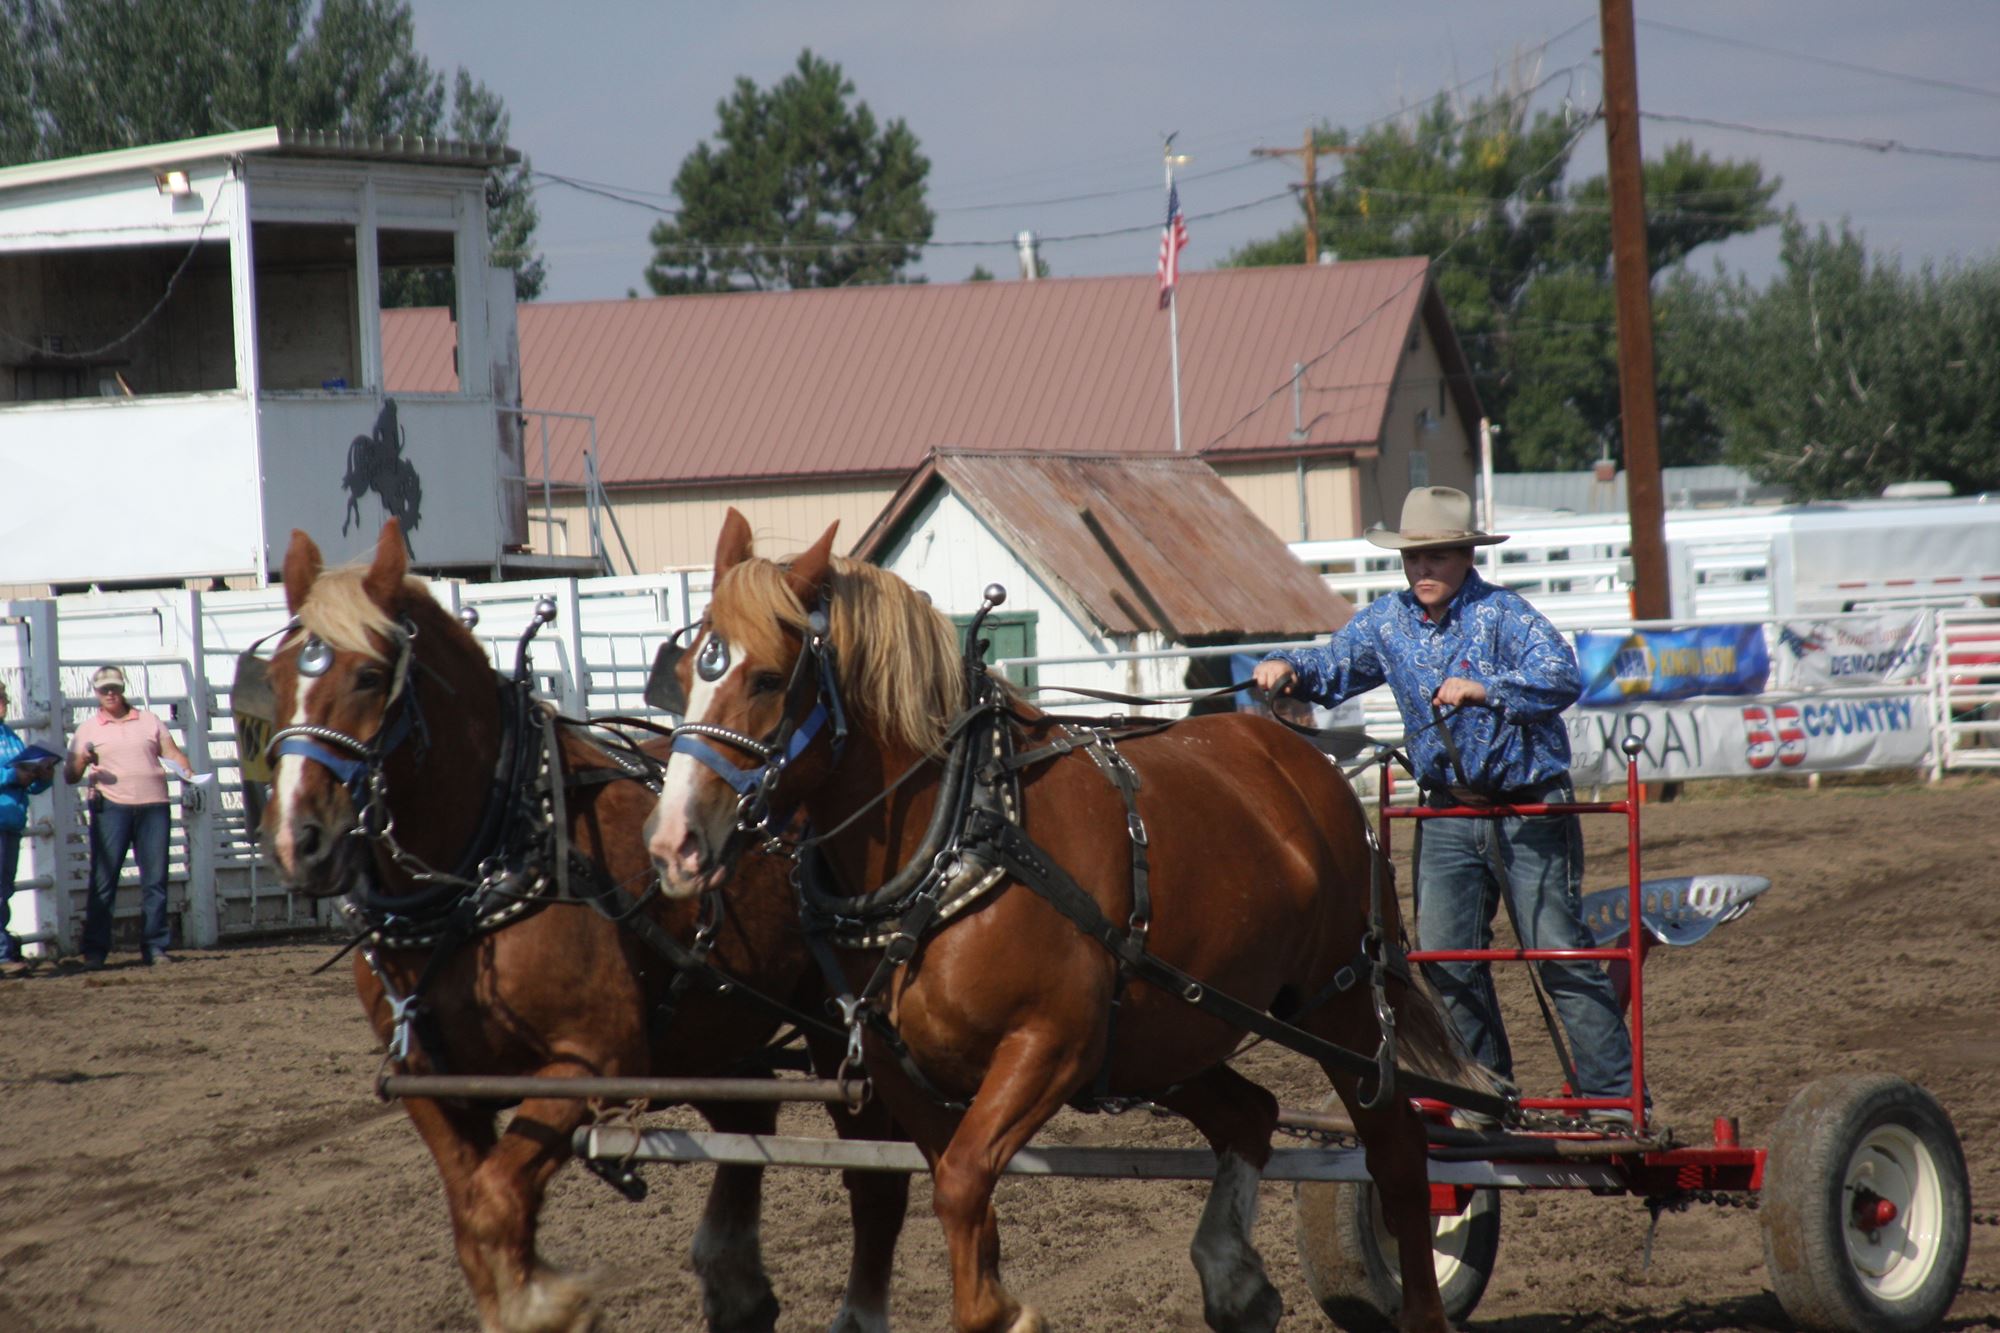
1500,675
17,783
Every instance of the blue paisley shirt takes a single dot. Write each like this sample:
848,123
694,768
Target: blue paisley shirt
1488,634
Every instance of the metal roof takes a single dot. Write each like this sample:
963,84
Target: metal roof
1135,544
866,381
272,140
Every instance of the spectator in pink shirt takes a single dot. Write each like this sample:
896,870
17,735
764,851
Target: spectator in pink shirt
118,752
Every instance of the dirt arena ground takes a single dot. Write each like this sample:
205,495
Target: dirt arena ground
196,1147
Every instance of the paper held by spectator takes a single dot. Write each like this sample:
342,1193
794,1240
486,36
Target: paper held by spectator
198,779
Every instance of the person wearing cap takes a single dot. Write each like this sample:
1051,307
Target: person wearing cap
18,782
1481,679
118,751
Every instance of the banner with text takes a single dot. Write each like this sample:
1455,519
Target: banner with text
1851,651
1640,664
1717,738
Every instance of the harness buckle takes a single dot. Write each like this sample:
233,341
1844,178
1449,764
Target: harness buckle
403,1012
1135,827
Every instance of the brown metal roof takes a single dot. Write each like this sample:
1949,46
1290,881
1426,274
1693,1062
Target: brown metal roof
867,381
1133,543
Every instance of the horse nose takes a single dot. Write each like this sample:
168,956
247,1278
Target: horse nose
309,841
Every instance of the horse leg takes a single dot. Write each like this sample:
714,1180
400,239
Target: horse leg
1237,1117
494,1186
877,1202
1032,1073
728,1257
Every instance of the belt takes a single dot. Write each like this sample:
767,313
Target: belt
1553,791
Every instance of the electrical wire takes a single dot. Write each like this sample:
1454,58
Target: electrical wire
1921,80
1420,276
1873,145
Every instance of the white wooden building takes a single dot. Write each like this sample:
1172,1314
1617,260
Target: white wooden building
191,360
1098,554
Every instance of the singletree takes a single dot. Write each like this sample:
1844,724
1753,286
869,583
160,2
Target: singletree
800,189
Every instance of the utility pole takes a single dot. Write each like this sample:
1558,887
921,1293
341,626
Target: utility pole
1639,413
1310,155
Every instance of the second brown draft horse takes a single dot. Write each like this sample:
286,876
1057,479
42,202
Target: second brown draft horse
392,752
1258,857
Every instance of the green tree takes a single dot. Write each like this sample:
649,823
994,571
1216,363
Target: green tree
802,189
1526,259
83,76
1844,375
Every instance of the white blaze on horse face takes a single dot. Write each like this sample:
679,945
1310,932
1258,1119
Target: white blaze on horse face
285,779
683,841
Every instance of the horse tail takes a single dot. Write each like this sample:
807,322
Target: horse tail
1428,1044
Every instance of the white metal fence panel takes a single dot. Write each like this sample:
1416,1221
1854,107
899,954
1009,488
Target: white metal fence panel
1965,682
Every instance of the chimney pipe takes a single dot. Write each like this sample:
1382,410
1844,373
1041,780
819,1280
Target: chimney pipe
1024,242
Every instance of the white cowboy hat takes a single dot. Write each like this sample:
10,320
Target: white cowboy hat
1434,517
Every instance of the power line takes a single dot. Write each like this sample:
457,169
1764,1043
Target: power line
1873,145
1920,79
1389,300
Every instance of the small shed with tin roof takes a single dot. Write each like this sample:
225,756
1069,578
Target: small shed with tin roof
1098,553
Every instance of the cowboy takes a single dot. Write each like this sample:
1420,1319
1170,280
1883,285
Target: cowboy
1481,679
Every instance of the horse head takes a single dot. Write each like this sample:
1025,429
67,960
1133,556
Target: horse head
799,669
373,678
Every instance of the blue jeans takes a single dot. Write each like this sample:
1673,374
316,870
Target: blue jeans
115,829
10,862
1457,895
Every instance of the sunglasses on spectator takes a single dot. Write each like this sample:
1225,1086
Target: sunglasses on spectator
111,689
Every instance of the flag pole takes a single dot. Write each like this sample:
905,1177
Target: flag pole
1173,301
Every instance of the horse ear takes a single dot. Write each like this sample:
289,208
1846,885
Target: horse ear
302,567
808,572
392,562
732,548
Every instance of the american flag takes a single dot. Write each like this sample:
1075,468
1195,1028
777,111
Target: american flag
1173,240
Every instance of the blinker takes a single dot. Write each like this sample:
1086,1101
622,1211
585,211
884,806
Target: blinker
713,662
315,658
663,686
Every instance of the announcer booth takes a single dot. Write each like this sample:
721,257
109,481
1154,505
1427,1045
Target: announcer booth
191,361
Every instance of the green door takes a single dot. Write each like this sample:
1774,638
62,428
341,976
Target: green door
1008,634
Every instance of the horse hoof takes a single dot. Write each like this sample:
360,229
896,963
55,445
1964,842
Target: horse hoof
1028,1321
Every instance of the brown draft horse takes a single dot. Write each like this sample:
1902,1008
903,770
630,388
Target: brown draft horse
1260,865
560,991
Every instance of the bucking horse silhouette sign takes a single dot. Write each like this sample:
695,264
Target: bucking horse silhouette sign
375,463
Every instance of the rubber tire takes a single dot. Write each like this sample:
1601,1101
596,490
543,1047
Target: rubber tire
1832,1128
1350,1264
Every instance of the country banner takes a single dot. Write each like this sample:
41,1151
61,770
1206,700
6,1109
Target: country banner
1845,652
1644,664
1768,735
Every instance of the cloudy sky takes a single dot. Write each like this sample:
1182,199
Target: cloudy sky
1049,116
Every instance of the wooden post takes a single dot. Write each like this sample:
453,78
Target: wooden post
1639,416
1309,153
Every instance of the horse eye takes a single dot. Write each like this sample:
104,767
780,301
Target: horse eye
315,658
766,682
713,662
371,678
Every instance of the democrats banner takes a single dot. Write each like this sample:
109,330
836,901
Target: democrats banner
1769,735
1856,650
1648,664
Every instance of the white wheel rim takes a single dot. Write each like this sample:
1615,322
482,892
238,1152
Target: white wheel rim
1894,1261
1451,1236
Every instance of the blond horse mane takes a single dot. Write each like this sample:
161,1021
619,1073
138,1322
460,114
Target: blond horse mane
899,658
339,612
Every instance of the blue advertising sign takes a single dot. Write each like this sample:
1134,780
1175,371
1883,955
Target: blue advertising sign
1671,664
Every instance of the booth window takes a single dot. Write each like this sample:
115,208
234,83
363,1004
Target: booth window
419,303
308,306
116,321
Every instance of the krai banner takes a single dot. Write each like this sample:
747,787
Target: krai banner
1642,664
1773,734
1849,651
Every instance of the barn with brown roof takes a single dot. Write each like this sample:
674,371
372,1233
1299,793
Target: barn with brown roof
1318,394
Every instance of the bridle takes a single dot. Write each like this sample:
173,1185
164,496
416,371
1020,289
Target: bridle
355,763
812,704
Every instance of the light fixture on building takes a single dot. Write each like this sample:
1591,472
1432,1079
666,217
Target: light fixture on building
175,183
1428,422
